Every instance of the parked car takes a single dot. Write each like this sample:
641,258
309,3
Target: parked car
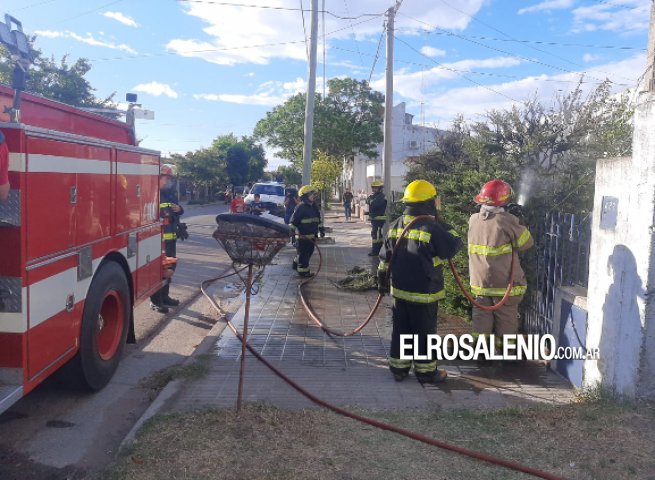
271,194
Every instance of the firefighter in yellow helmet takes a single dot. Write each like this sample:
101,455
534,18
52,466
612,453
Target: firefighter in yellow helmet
306,224
170,212
377,214
494,236
416,276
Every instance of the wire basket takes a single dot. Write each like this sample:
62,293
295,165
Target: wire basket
249,239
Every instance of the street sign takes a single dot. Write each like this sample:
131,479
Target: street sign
144,114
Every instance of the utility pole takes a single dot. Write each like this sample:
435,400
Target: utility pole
649,81
311,92
388,107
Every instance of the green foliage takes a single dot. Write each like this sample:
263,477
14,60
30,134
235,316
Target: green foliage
548,154
292,176
346,122
325,172
57,80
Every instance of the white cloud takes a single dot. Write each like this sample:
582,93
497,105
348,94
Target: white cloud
473,101
623,16
411,85
235,35
122,18
88,38
433,52
547,5
250,74
590,57
156,89
268,94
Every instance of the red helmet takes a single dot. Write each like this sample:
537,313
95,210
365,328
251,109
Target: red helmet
494,192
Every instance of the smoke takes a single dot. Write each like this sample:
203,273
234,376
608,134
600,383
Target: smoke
526,186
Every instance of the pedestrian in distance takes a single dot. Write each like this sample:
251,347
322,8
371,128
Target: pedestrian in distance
377,214
495,237
256,207
416,279
170,212
306,225
238,205
291,201
348,204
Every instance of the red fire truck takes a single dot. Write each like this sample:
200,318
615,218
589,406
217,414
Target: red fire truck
80,241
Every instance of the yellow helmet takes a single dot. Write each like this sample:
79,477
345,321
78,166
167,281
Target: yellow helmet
377,184
419,191
306,190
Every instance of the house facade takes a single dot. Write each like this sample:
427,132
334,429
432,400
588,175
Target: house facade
408,140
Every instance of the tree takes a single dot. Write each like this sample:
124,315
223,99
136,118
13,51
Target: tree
244,159
555,147
290,174
60,81
347,121
202,167
325,172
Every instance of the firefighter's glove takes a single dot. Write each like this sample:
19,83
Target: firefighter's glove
515,209
294,242
383,282
181,232
321,232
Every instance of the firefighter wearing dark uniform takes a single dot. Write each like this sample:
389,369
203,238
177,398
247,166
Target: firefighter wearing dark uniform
306,225
494,237
170,212
377,214
417,282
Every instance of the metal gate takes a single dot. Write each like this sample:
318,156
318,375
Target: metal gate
561,258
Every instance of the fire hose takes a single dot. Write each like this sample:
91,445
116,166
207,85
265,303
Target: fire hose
370,421
316,319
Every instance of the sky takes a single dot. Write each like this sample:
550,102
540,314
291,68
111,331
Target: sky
209,68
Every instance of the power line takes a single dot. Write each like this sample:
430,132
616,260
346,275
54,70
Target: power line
377,53
270,7
88,12
531,60
516,40
475,19
463,76
220,49
304,30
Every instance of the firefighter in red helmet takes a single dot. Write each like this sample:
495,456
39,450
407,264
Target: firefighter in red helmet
170,212
494,237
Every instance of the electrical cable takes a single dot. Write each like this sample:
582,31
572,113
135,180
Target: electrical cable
304,29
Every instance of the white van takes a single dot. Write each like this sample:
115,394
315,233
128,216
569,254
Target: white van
271,194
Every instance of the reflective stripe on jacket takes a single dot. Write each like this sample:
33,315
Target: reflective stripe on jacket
492,238
306,219
170,219
417,271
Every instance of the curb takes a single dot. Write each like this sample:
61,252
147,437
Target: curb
174,385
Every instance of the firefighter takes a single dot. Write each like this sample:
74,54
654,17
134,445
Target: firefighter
170,211
377,214
417,282
305,225
494,237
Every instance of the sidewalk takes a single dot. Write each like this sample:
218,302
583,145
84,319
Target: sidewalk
346,371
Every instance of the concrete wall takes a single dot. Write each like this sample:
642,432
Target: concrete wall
621,320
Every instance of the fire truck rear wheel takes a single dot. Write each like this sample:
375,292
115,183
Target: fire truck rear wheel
105,324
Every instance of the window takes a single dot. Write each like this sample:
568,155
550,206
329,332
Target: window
268,189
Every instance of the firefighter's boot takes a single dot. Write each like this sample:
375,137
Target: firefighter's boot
158,308
433,379
171,302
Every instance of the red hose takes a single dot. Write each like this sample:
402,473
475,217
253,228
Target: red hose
376,423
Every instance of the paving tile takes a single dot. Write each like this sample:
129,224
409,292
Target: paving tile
351,370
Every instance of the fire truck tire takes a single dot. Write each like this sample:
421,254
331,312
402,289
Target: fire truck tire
105,324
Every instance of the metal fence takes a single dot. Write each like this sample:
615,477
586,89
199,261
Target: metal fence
561,258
